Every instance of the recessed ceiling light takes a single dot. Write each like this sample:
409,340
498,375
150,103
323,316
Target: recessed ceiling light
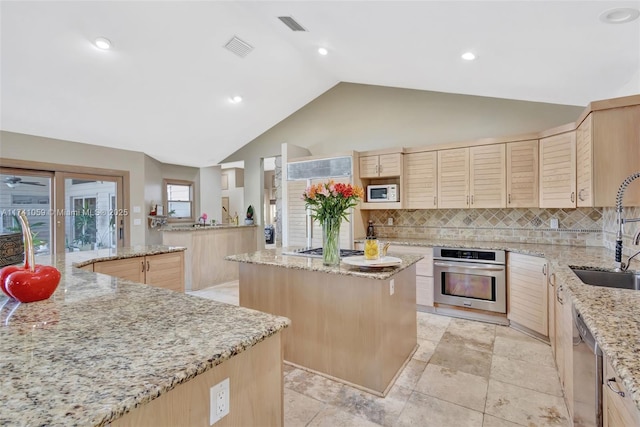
102,43
322,51
235,99
468,56
619,15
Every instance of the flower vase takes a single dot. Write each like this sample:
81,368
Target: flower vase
331,241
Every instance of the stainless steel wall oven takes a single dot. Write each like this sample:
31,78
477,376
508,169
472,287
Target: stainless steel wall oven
471,278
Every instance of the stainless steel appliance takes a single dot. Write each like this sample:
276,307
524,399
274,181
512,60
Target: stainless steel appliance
317,252
471,278
383,193
587,375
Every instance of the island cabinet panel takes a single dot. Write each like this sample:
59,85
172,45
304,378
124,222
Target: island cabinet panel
420,182
527,284
162,270
453,178
255,393
487,176
166,271
349,328
522,174
129,269
558,171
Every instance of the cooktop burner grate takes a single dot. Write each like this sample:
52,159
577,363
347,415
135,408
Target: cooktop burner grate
317,252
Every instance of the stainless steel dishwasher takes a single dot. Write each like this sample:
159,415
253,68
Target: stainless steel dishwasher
587,375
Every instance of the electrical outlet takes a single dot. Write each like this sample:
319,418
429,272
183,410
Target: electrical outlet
392,286
218,401
389,221
553,223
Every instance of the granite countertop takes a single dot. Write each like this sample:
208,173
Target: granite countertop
612,315
276,258
101,346
82,258
203,228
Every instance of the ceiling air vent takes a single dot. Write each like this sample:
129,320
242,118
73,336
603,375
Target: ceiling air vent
291,23
239,47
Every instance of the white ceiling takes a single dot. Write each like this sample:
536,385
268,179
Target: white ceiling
163,88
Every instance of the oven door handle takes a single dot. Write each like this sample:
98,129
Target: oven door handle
469,267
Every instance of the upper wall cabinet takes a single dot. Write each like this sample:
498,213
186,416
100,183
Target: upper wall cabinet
381,165
558,171
421,178
472,177
608,149
487,176
522,174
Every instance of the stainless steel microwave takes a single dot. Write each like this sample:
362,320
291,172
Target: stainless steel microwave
383,193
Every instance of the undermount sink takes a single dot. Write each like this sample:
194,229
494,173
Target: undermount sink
608,279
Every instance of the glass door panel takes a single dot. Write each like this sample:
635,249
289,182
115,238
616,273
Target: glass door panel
30,191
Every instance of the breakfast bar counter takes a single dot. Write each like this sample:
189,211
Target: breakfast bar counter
355,326
106,350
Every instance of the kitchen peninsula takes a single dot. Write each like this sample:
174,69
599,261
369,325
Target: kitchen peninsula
206,248
355,326
107,350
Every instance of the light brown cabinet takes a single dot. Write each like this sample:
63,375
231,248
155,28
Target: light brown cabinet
558,171
472,177
527,278
618,409
421,180
424,272
381,165
608,149
564,345
163,270
522,174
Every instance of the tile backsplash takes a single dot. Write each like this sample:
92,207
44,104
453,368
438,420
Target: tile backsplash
576,227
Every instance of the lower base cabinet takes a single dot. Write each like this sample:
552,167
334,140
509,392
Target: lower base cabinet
527,281
618,409
163,270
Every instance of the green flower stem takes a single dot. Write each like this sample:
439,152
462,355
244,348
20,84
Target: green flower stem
331,241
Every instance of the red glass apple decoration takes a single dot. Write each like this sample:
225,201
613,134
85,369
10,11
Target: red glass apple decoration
32,282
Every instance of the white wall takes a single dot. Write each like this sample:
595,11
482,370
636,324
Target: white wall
210,192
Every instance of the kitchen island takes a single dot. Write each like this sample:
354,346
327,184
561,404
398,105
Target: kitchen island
106,350
206,248
355,326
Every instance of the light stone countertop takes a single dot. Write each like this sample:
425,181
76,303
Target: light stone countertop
101,346
612,315
275,257
82,258
183,228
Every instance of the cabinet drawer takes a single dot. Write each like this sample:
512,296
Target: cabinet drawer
424,290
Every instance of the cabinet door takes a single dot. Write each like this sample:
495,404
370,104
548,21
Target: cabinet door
559,335
584,163
424,272
420,182
166,271
453,178
487,176
368,166
551,307
567,342
389,165
130,269
522,174
527,284
558,171
617,410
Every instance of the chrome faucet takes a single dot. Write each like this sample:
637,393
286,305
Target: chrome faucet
619,265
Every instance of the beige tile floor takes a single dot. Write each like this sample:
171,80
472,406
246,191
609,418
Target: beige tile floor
464,373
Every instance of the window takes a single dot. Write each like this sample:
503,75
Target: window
179,199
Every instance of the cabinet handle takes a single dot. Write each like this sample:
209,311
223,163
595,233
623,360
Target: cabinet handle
467,200
148,266
560,300
618,392
573,196
544,269
580,195
509,198
472,199
434,200
552,282
143,266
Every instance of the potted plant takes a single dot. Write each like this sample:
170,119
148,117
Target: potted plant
249,219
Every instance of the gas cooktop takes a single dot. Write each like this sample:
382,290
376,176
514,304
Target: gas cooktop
317,252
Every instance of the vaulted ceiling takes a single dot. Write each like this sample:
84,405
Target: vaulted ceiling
164,86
